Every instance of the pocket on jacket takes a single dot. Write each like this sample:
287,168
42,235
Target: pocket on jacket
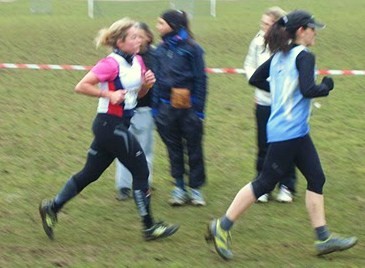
180,98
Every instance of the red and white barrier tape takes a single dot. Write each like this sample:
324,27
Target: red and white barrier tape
44,66
319,72
209,70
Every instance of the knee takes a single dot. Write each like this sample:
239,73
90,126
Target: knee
316,185
262,186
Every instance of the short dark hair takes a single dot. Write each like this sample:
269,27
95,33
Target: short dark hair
143,26
176,19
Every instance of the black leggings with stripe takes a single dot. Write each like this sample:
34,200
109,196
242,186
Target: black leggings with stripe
113,140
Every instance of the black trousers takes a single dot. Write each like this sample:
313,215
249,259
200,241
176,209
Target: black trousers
262,117
182,131
281,156
113,140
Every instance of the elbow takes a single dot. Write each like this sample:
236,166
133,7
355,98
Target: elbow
310,95
78,88
306,94
251,81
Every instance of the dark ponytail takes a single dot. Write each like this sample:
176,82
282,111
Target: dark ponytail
277,38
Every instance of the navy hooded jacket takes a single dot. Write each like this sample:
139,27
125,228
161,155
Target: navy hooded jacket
180,64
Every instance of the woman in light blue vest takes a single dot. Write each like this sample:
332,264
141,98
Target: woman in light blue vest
291,75
257,54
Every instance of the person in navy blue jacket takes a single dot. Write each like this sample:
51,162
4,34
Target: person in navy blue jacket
178,104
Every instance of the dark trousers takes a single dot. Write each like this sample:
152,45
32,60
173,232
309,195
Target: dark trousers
281,156
262,117
113,140
179,128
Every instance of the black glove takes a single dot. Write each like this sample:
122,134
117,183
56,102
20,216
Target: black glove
328,81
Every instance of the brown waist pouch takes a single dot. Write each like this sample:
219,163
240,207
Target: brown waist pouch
180,98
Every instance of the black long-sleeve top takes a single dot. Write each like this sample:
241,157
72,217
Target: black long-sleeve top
305,63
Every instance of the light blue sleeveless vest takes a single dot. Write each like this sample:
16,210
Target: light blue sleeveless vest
290,111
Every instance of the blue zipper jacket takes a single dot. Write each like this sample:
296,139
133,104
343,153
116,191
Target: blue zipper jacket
180,64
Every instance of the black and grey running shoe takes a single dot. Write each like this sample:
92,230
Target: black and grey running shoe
160,230
48,216
334,243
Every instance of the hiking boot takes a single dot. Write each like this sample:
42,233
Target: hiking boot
49,217
285,195
179,197
334,243
197,198
160,230
263,199
124,194
222,239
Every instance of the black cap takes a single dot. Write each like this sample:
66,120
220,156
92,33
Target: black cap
176,19
298,18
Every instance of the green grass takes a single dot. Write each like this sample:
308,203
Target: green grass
45,133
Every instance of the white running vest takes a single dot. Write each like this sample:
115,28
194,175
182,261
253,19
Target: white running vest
130,78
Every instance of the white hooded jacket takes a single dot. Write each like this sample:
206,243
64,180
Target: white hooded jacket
257,55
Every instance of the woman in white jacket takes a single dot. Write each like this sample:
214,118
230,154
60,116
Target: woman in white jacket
258,54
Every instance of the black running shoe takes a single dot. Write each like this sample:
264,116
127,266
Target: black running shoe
49,217
160,230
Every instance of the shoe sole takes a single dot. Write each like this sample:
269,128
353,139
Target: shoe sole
209,237
198,203
175,203
46,228
336,249
284,201
122,198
